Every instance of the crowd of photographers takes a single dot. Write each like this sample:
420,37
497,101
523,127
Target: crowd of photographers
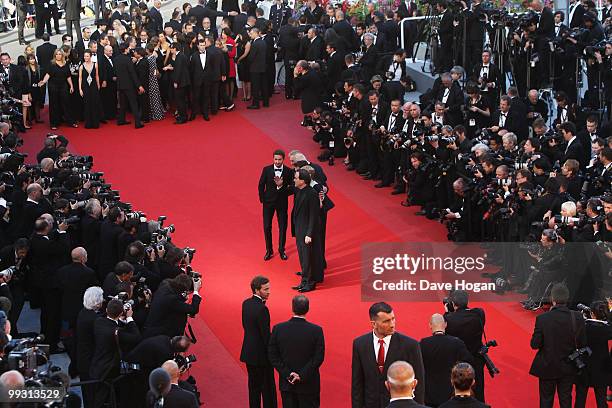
113,291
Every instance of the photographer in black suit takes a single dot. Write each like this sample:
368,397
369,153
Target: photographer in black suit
308,83
128,86
401,384
557,334
113,335
440,353
93,301
169,309
177,396
180,81
256,325
368,388
297,350
468,325
275,186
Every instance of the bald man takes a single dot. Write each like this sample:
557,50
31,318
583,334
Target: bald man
12,380
401,383
74,279
440,353
177,397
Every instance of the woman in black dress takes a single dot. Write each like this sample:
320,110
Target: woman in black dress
60,88
26,97
244,46
38,100
89,89
76,102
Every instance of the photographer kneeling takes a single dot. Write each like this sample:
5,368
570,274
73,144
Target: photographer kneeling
169,309
468,325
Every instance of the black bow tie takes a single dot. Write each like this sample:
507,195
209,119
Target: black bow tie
275,169
93,54
394,114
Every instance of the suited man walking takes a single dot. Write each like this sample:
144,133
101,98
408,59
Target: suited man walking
373,354
306,229
205,68
440,353
401,383
256,325
127,86
297,350
557,333
180,82
108,83
275,186
257,61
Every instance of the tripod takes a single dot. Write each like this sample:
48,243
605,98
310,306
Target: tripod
501,49
429,26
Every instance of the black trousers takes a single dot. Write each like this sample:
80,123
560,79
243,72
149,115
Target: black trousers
271,76
581,395
262,388
293,400
563,386
128,96
288,79
281,217
212,102
108,96
18,294
323,233
144,104
59,106
42,15
479,364
311,260
373,149
51,315
180,100
87,390
259,84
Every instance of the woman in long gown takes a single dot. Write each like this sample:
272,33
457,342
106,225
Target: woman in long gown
60,87
155,102
33,78
89,89
76,102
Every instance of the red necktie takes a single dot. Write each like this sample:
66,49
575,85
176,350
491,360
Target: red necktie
381,355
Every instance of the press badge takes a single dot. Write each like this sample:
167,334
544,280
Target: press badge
472,122
331,143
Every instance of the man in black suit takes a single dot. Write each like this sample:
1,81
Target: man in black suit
462,378
573,149
575,14
289,49
110,229
156,17
205,69
326,205
44,54
128,86
373,354
74,279
93,300
445,31
275,186
468,324
108,83
11,77
123,272
401,384
49,249
112,336
83,42
390,29
177,397
256,325
344,29
305,227
180,81
257,61
169,308
504,118
297,350
313,46
16,255
199,11
35,206
308,83
440,353
142,72
451,95
335,66
488,77
556,335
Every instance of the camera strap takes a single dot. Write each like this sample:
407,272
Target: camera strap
190,334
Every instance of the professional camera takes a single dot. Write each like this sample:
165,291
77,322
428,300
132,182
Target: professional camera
8,272
26,355
579,357
586,311
192,274
124,298
484,352
184,362
590,50
448,304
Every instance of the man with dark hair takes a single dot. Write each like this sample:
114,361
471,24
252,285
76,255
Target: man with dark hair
127,86
468,325
305,227
274,189
297,350
123,273
257,61
110,230
256,325
462,379
556,335
369,372
573,149
180,82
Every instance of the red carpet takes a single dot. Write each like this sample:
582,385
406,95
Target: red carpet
204,175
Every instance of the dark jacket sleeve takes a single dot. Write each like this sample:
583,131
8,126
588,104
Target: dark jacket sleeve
274,356
315,362
357,378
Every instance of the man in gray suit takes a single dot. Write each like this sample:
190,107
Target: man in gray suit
72,9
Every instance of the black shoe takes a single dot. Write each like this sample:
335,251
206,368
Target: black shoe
381,185
180,121
268,255
206,118
366,176
139,126
396,192
308,288
192,117
298,287
230,108
350,167
406,203
127,122
283,255
253,107
421,212
299,273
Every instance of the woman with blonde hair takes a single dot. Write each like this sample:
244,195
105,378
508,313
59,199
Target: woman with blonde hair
60,87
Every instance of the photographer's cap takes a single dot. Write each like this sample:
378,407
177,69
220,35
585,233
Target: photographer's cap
376,78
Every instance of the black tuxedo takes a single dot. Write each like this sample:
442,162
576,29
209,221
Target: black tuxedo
345,31
142,72
575,151
256,325
259,78
108,94
368,62
289,50
454,102
199,12
168,314
180,82
368,383
298,346
74,279
205,81
310,87
85,346
127,85
335,66
44,55
180,398
108,247
386,64
512,123
445,31
406,9
405,403
313,49
29,214
493,75
440,353
555,338
306,223
463,402
390,29
151,352
275,200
